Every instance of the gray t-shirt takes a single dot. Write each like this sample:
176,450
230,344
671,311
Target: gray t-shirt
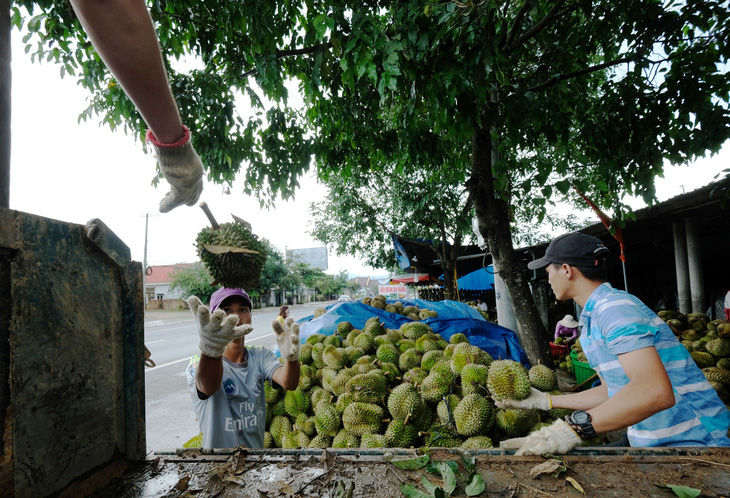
236,413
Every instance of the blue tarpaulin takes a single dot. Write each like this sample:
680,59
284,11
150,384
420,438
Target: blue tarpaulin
481,279
453,317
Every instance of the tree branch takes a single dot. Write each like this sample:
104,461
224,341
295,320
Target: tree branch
288,53
588,70
518,21
549,17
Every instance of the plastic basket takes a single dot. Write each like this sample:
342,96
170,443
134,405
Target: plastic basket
558,350
581,369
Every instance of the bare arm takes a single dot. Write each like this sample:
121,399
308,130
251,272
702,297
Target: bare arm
209,375
649,391
288,375
123,35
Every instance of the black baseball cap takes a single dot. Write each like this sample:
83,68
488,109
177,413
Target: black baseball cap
575,249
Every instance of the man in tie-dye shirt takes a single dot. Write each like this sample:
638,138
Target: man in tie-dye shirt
649,382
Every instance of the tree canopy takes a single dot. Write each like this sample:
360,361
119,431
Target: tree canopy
518,100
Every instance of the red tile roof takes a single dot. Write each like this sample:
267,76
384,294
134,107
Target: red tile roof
163,274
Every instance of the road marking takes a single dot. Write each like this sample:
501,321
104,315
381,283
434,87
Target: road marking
168,364
160,340
261,337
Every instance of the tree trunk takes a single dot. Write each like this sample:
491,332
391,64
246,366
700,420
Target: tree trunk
493,218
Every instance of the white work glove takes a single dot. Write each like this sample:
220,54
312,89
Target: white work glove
216,330
537,400
555,439
181,167
287,338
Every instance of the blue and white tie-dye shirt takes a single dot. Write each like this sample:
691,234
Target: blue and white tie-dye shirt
615,322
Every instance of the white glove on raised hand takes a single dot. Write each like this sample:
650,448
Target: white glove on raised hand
537,400
555,439
287,338
181,167
216,330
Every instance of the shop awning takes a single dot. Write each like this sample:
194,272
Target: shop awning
411,278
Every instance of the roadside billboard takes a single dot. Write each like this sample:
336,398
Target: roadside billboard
392,291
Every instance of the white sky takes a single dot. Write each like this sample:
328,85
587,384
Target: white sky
75,172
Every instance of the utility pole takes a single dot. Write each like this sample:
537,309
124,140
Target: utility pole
144,258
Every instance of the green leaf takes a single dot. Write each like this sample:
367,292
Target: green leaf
447,473
469,462
476,485
430,487
410,491
681,491
411,463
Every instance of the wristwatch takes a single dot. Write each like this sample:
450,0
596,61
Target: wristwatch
580,422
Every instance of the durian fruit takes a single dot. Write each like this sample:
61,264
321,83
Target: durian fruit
305,354
401,434
339,382
326,419
724,363
415,375
516,423
371,387
508,379
333,340
445,409
465,354
719,347
388,353
295,439
306,424
404,401
715,374
362,418
269,440
296,402
434,387
333,357
344,328
344,439
370,440
374,328
473,415
430,358
392,372
232,268
703,359
723,330
476,442
366,342
543,378
721,390
440,436
321,441
318,394
352,354
280,426
474,379
343,402
427,342
319,312
414,330
271,393
411,358
458,338
390,308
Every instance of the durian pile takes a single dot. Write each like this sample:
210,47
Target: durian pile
379,387
708,342
379,302
233,255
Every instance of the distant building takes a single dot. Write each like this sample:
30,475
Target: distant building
159,279
315,257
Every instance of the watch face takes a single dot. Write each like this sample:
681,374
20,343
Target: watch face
580,417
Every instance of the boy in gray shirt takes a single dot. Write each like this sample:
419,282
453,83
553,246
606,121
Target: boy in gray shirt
226,380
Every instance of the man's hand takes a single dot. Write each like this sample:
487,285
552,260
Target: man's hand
287,338
537,400
182,168
215,330
556,439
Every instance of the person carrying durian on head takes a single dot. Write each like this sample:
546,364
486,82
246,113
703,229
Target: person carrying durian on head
226,380
649,382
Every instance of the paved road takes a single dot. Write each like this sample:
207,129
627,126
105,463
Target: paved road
172,339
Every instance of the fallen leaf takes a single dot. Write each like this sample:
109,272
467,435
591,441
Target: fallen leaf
545,467
575,484
284,487
182,484
681,491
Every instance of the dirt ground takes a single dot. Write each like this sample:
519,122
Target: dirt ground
342,473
